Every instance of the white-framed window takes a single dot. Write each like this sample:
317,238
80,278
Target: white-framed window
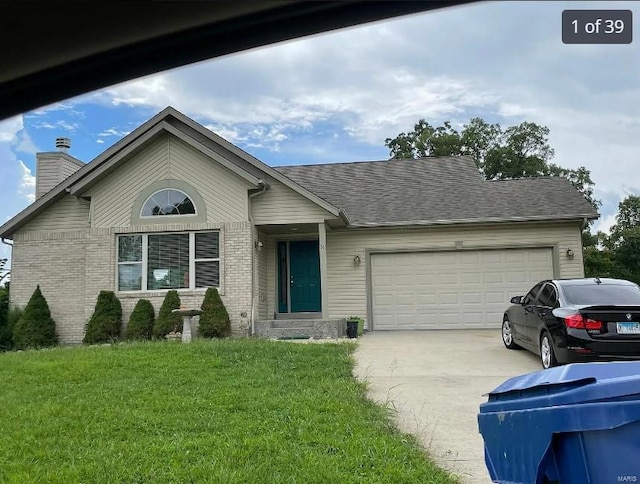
163,261
168,201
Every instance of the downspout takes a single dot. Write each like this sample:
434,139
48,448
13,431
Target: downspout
262,188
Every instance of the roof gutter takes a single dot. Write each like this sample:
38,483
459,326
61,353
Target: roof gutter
421,223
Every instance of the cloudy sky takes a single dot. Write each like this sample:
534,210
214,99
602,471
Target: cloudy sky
336,97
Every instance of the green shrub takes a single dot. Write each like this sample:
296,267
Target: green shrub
140,324
168,321
35,328
6,332
105,323
214,320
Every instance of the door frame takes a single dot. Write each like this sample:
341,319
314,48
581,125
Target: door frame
283,305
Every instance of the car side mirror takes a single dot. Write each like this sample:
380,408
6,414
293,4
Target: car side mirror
516,300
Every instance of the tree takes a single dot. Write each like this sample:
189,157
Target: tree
628,217
4,273
140,325
517,152
105,323
168,321
36,328
6,332
214,320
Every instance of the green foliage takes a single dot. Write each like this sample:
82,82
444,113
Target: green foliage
141,321
616,255
105,323
167,320
4,273
35,328
130,414
628,217
6,331
214,320
517,152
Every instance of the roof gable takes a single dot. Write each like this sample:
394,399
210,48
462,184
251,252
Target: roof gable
169,120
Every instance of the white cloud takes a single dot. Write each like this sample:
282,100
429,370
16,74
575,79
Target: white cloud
9,128
604,224
25,144
100,141
113,132
27,183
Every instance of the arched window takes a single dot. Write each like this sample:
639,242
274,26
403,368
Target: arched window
168,201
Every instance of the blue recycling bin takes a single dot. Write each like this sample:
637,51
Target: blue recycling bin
572,424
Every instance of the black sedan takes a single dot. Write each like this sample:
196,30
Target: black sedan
576,320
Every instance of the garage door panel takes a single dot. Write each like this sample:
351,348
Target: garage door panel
454,289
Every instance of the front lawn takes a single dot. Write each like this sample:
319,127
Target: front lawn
210,411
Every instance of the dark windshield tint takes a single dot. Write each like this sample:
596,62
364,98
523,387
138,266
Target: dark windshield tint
595,294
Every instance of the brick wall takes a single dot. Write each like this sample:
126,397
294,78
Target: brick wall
72,268
55,261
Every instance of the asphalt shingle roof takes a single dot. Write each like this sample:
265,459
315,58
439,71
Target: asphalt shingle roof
435,190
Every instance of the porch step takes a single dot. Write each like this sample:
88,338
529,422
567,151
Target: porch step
301,328
293,323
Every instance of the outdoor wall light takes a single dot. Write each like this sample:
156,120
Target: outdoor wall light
259,245
356,260
569,253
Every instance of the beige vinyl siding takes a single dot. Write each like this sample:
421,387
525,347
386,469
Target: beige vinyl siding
47,175
52,168
68,214
347,282
68,168
281,205
271,277
262,274
224,193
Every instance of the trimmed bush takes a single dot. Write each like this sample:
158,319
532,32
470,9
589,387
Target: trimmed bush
6,332
168,321
35,328
105,323
214,320
140,325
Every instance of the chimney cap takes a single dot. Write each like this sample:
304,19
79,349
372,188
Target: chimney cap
63,144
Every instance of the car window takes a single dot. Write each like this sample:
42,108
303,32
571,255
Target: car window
530,298
548,297
593,294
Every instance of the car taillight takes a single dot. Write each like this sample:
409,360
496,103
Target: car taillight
580,322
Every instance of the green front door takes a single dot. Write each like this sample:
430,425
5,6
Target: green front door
303,291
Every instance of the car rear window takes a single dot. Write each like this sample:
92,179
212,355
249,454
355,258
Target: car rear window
601,294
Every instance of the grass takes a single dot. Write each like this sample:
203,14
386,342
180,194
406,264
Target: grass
210,411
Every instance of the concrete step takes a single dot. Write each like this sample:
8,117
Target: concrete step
293,323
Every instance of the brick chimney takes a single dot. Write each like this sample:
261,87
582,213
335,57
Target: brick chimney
53,167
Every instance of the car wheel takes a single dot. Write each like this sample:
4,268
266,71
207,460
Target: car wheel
547,357
507,335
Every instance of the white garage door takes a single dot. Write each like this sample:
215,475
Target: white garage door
461,289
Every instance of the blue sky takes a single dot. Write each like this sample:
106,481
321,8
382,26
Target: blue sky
336,97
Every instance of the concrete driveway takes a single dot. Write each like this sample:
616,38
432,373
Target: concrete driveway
435,381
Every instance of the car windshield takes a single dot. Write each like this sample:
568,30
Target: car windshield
601,294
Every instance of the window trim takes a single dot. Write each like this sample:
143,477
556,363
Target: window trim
195,208
145,261
169,184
